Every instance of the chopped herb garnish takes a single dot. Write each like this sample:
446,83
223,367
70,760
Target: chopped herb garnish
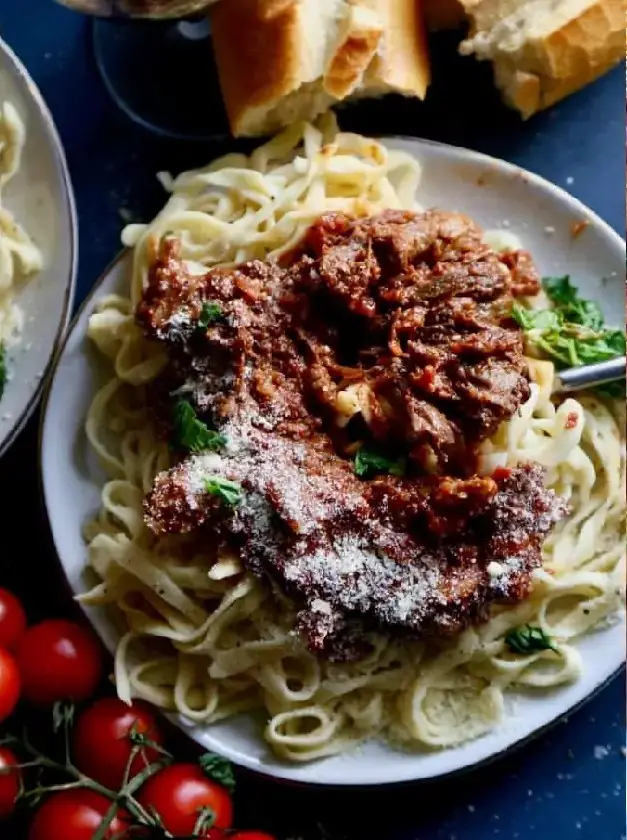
191,433
573,333
368,462
573,308
535,319
527,639
3,370
230,492
210,312
218,769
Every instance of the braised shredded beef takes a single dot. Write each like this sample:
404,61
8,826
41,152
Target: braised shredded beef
404,317
525,277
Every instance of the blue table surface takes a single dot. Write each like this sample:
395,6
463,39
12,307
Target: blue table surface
568,783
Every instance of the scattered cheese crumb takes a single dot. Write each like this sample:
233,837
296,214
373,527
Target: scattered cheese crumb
549,229
601,752
570,180
495,570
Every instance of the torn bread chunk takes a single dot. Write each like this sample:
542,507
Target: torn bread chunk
543,50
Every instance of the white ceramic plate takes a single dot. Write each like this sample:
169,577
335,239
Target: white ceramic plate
40,196
492,192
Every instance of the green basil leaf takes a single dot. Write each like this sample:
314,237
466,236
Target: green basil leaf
584,312
560,289
210,312
559,348
535,319
617,341
192,434
230,492
369,462
591,350
573,332
218,769
527,639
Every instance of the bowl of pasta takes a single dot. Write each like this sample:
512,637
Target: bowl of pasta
328,511
38,243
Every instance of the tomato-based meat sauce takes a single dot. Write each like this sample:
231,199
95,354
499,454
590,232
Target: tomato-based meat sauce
349,387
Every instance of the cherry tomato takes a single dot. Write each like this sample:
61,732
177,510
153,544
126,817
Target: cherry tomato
9,783
179,793
58,660
12,619
102,746
251,835
75,815
9,683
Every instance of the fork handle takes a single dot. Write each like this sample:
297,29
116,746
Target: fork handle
589,376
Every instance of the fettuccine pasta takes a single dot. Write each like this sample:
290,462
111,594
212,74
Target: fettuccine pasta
19,256
199,634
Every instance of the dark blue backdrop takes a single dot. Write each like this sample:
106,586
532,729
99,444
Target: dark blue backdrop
552,788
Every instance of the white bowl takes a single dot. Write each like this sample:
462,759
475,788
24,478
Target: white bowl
493,192
41,198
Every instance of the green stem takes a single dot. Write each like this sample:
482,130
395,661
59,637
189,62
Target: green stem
38,791
138,811
124,797
81,780
138,780
135,751
23,766
106,822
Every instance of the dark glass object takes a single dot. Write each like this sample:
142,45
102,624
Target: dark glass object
161,73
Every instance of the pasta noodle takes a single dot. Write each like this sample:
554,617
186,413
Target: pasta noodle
19,257
203,637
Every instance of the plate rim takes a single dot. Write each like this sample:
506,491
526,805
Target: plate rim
18,70
281,772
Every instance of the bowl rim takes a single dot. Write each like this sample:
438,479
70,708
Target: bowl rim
17,69
281,773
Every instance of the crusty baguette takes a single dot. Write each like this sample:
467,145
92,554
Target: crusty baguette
284,60
542,50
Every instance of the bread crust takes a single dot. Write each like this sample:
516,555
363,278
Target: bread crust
560,61
256,47
583,50
360,35
403,62
265,52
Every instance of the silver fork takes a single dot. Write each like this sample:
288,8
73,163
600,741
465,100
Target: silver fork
589,376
